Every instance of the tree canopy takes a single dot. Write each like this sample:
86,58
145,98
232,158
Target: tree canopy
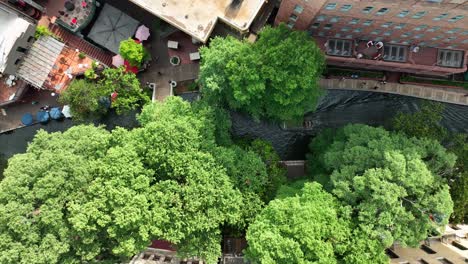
275,77
93,97
426,123
132,51
392,183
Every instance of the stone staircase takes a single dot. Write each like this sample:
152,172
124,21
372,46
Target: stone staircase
75,42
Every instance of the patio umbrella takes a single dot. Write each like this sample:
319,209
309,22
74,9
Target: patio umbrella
27,119
42,116
66,111
55,113
117,61
111,27
142,33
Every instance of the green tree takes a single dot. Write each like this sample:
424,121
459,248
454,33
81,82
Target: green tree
92,97
426,124
130,94
133,52
83,97
391,182
305,228
275,77
423,123
90,195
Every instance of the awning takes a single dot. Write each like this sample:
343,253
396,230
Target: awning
39,61
111,27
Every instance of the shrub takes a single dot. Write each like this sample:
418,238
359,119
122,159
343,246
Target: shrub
81,55
42,31
133,52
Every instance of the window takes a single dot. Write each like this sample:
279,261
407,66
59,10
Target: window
465,41
298,9
349,36
403,13
321,18
452,31
354,21
405,35
338,35
357,30
422,43
290,24
387,24
31,39
405,42
433,29
327,26
455,19
346,8
293,17
331,6
21,49
315,25
382,11
419,14
437,38
321,34
339,47
400,26
395,53
394,41
367,10
388,33
17,61
440,17
465,32
334,19
368,22
346,29
421,27
375,32
450,58
418,36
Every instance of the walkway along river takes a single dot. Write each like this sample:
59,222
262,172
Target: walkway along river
336,109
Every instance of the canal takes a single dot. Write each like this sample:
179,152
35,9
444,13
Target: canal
336,109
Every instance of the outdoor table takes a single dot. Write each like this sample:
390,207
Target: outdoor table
172,44
194,56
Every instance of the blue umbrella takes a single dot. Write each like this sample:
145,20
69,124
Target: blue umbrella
55,113
42,116
27,119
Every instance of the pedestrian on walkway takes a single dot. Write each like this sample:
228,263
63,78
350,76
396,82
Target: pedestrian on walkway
376,87
159,73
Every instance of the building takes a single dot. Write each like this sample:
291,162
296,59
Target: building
420,36
451,248
16,38
198,18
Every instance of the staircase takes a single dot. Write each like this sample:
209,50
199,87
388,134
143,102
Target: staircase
75,42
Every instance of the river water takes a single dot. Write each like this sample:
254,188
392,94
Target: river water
337,108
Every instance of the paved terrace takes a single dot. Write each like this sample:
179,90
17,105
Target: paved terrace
446,95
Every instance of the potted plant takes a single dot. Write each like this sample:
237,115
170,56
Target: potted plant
133,52
174,60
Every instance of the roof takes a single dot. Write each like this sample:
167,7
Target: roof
198,17
11,28
111,27
39,61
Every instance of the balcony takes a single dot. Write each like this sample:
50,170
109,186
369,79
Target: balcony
392,57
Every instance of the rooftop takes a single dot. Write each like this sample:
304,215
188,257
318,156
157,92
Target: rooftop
198,17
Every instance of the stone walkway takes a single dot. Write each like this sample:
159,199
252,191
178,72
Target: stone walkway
446,95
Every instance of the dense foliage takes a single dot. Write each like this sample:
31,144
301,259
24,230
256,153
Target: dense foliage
275,77
392,182
88,194
425,123
92,96
132,51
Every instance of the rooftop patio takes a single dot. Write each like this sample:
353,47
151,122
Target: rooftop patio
74,15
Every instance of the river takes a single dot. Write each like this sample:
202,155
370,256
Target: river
337,108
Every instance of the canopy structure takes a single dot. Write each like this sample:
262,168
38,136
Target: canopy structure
39,61
117,60
111,27
42,116
27,119
142,33
55,113
66,111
